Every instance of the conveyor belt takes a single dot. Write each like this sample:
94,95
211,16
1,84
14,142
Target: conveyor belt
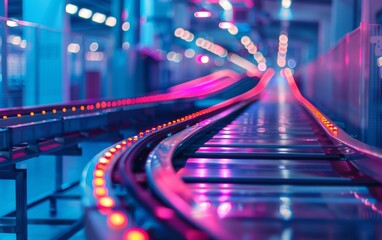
262,165
272,172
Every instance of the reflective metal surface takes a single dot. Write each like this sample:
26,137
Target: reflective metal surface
274,173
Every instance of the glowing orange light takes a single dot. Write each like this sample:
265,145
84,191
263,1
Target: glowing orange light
43,112
100,191
103,160
113,150
5,117
135,234
19,115
147,132
99,173
82,108
99,182
63,109
118,146
124,142
129,139
117,220
106,202
32,114
108,154
153,129
141,134
54,111
100,166
73,109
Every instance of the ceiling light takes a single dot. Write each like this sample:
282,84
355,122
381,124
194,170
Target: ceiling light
85,13
111,21
71,8
99,17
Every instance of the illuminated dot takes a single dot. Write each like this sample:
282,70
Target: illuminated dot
108,154
73,109
82,108
32,114
54,111
135,234
106,202
117,220
99,173
19,115
5,117
99,182
64,110
126,26
379,62
118,146
204,59
100,191
103,160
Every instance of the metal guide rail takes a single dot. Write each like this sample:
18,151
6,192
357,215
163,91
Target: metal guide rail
58,129
116,193
273,168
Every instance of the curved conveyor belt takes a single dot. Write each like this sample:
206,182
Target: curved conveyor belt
269,171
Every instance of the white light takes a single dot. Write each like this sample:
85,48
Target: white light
94,56
126,45
189,53
171,56
179,32
15,40
23,44
379,62
286,3
71,8
11,23
226,5
225,25
74,48
202,14
126,26
85,13
93,46
98,17
262,67
111,21
204,59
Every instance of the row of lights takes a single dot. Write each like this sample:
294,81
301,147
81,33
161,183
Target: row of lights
184,34
17,41
200,42
104,105
283,49
87,14
252,49
326,123
211,47
106,203
110,104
